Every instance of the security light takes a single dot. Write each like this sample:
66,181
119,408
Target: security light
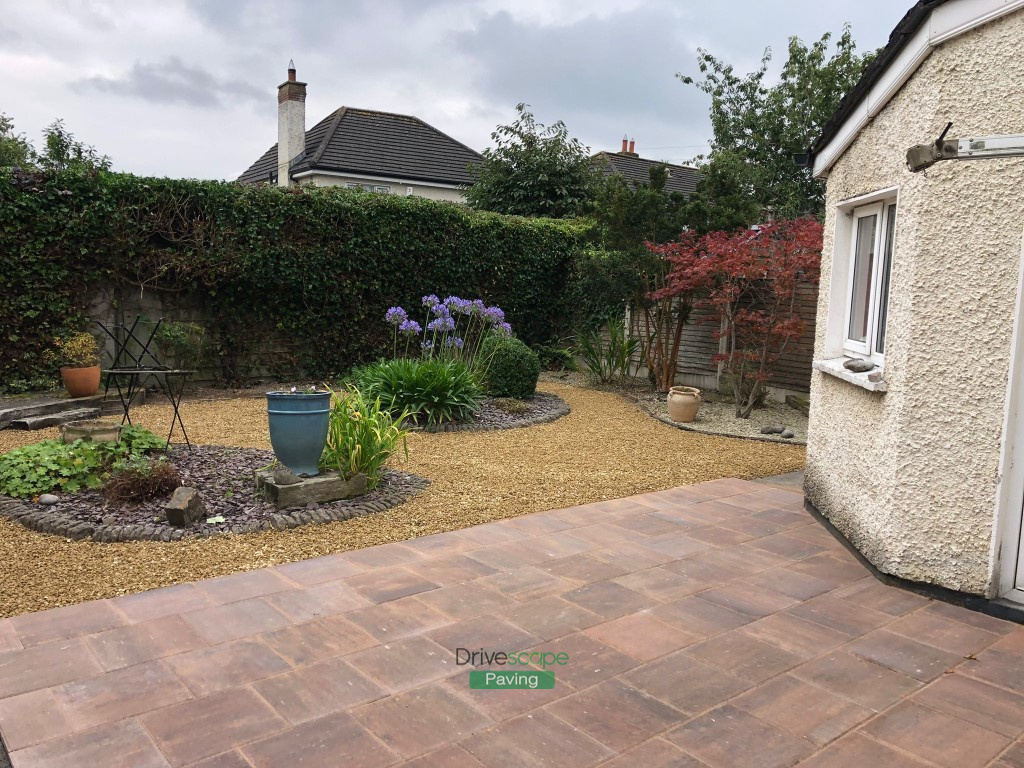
969,148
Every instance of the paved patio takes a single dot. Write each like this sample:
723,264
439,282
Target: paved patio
713,625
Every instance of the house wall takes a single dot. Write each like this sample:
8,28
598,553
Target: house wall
909,476
397,187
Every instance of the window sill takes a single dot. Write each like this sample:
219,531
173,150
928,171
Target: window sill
834,367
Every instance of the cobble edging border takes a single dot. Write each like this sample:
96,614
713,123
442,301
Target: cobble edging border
45,520
554,410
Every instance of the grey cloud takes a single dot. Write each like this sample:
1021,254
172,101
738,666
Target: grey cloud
175,82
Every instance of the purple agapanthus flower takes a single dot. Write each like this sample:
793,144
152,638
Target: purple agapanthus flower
441,324
410,328
396,316
478,307
431,300
441,310
459,306
426,346
495,315
503,329
454,341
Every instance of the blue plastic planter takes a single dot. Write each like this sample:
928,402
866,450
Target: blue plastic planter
298,428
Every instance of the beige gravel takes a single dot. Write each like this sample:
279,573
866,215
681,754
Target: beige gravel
604,449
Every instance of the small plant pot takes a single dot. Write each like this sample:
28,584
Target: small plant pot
96,431
81,382
298,429
683,404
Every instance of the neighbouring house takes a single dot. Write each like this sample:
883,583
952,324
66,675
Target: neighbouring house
637,170
920,462
361,148
698,347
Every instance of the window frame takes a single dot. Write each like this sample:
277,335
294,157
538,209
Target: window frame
879,205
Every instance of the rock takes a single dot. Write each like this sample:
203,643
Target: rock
185,507
858,366
787,433
776,429
48,499
284,476
875,376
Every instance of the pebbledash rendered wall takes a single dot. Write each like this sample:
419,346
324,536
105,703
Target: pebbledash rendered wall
909,476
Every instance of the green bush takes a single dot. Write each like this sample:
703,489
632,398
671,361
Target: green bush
611,359
312,268
54,466
362,435
433,391
513,368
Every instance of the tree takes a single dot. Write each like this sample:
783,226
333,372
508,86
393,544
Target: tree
15,149
62,152
764,126
726,195
631,214
533,171
750,278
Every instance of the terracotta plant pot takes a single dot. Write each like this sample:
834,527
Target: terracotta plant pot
683,404
81,382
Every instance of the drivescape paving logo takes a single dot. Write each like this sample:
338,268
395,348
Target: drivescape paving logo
522,670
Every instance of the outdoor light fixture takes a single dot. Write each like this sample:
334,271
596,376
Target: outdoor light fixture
970,148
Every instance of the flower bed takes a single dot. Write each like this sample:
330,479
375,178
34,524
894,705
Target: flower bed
541,409
224,478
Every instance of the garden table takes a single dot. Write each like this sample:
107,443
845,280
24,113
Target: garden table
128,382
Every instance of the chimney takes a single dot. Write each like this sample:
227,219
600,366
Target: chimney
291,124
623,143
631,145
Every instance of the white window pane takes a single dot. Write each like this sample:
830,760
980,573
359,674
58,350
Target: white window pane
860,295
883,294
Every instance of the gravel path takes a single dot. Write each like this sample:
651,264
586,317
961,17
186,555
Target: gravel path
605,448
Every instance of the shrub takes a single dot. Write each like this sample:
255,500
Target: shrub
52,465
362,435
76,350
513,368
431,391
181,345
555,357
611,359
138,478
510,405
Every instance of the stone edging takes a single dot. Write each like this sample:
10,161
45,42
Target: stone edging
44,520
556,409
765,439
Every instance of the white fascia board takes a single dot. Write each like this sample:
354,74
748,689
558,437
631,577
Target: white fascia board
946,22
384,179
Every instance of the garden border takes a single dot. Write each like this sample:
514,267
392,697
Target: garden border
40,518
677,425
557,410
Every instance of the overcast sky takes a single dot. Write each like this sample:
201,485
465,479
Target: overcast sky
188,88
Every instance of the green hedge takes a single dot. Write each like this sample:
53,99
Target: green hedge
320,265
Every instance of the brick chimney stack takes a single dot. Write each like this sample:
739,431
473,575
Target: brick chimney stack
631,145
291,124
623,144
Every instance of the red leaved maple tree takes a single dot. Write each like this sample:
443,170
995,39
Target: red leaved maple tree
750,278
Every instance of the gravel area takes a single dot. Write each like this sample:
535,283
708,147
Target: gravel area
603,449
223,476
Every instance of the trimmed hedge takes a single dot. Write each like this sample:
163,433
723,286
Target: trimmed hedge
318,265
512,367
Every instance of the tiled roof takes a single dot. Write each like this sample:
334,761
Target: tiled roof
637,169
366,141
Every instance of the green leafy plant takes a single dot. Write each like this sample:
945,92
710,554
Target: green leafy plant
431,391
607,360
137,478
510,405
75,350
555,357
513,367
181,344
54,466
362,435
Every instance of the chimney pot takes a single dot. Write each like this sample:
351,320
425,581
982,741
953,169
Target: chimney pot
631,145
291,70
624,141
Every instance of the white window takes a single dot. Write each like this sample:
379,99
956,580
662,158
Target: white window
370,187
867,293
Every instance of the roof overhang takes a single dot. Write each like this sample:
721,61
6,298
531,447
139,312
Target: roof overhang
945,22
388,179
